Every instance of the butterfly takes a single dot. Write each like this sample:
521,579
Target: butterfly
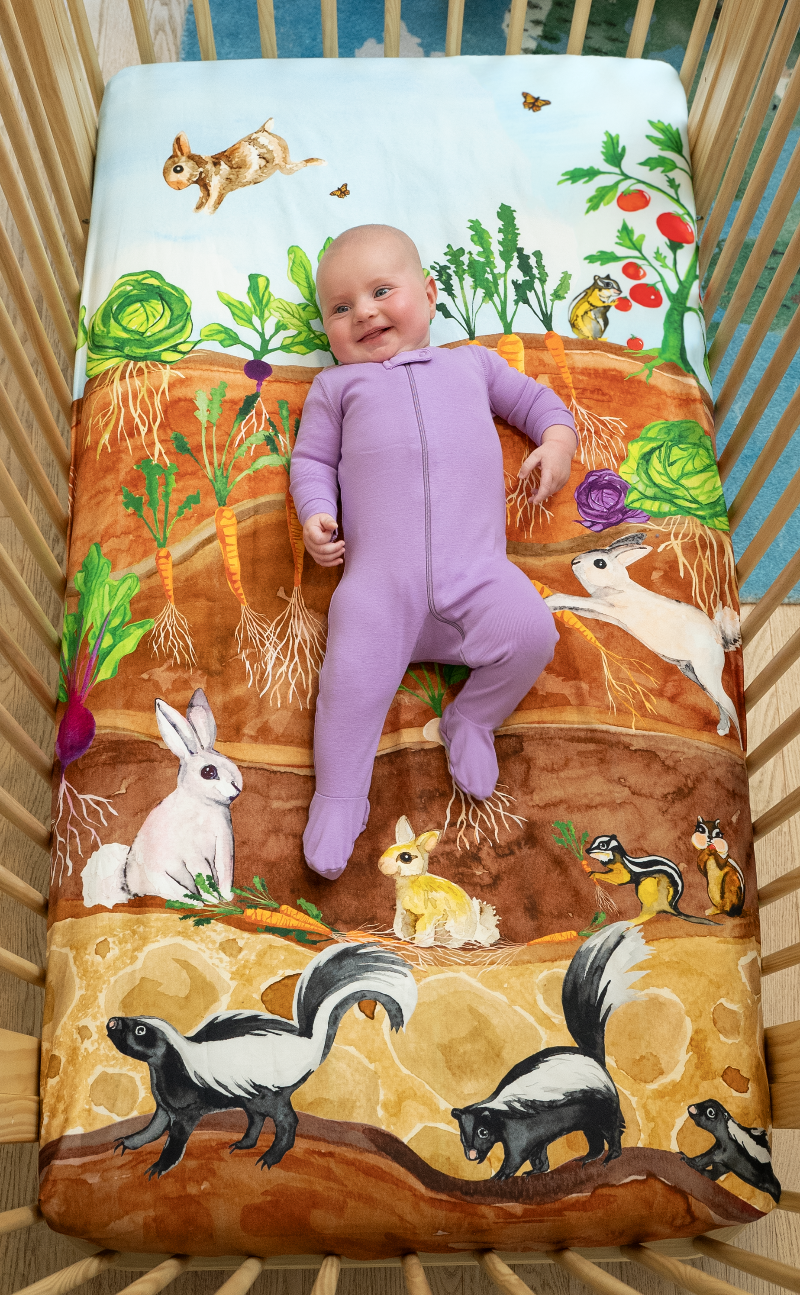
531,101
341,192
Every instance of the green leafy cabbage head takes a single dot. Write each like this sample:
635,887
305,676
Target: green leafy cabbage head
671,471
142,318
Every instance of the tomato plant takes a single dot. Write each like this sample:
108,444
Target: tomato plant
635,343
646,294
622,303
632,270
633,200
674,228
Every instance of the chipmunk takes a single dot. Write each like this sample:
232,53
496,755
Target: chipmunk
431,910
658,882
588,312
723,875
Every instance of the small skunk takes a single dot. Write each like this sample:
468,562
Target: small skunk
736,1150
253,1060
563,1090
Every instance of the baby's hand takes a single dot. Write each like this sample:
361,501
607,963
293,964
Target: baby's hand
317,537
553,458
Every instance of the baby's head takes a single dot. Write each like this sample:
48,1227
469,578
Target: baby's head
376,301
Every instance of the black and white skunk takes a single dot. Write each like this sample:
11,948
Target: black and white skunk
563,1090
254,1060
736,1149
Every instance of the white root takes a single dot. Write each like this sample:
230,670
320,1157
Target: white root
480,817
299,638
136,406
77,812
171,637
256,646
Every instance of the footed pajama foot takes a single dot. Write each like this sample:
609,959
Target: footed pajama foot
470,748
334,823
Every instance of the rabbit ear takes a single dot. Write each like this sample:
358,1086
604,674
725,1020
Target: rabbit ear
199,715
180,145
177,732
403,832
632,555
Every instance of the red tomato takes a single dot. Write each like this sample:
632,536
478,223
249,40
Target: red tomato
632,270
635,343
622,303
674,228
633,200
646,294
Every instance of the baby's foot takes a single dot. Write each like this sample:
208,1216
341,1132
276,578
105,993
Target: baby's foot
334,823
473,760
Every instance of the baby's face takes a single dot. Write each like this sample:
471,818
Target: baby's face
375,302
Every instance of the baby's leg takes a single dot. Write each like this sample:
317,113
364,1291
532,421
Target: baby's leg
510,637
367,655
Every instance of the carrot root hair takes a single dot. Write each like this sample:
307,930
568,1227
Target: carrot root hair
479,818
601,441
299,636
171,637
138,392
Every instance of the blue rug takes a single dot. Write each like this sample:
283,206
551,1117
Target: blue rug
360,29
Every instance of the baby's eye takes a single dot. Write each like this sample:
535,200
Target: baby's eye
380,292
340,310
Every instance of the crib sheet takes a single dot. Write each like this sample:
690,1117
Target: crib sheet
560,1042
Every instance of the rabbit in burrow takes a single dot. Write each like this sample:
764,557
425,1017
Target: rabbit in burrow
188,832
250,160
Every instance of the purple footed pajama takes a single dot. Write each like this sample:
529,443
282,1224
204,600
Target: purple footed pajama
411,447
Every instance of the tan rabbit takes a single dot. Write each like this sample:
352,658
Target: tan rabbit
431,910
249,161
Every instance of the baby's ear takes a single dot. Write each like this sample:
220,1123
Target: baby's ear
181,145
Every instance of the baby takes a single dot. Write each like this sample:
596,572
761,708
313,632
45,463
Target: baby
404,432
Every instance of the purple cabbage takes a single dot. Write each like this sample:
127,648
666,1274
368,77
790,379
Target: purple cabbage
601,501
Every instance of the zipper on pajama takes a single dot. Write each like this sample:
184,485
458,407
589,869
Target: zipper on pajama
427,491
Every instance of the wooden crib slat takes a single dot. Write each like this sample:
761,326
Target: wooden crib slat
23,372
87,50
327,1278
640,28
777,740
244,1277
391,29
24,745
68,1278
772,672
757,404
18,440
577,28
16,586
516,26
77,74
141,30
782,1045
756,113
413,1272
790,1201
205,30
781,586
20,514
770,530
31,167
266,29
595,1278
70,210
16,888
21,295
696,42
27,672
19,1087
455,26
782,886
25,1216
500,1274
776,443
781,960
690,1279
330,31
156,1279
774,817
16,966
756,188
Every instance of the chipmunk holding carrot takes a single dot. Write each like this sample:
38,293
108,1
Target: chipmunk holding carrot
402,433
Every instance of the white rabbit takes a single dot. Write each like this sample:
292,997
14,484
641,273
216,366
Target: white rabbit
249,161
189,832
678,632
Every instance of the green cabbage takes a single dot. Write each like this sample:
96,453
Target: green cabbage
142,318
671,471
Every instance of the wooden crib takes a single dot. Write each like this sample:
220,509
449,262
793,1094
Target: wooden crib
51,88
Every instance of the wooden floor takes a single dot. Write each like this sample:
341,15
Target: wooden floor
26,1257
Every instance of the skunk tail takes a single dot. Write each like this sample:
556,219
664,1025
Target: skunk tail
600,979
344,975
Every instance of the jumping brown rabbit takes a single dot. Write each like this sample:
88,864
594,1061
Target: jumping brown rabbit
249,161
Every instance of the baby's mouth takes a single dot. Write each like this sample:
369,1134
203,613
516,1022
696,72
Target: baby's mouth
374,335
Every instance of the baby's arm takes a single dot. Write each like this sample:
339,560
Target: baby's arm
314,480
553,458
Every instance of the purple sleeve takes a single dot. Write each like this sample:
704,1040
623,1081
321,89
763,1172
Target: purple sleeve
525,404
314,477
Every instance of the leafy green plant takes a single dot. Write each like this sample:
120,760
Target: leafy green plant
534,285
216,465
672,471
567,838
466,299
144,319
254,902
269,316
159,485
435,685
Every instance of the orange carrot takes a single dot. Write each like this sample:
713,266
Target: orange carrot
225,519
511,349
555,346
286,918
568,617
164,569
555,939
295,539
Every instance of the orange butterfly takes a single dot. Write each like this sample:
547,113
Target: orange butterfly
341,192
531,101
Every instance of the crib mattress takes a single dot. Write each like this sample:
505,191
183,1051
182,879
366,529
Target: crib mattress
549,1033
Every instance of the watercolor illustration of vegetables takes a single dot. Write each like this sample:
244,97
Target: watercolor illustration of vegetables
600,442
566,836
601,500
672,475
278,325
619,681
479,817
96,637
254,904
676,272
170,635
255,640
141,329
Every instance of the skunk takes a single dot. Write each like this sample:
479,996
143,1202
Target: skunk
253,1060
736,1150
563,1090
